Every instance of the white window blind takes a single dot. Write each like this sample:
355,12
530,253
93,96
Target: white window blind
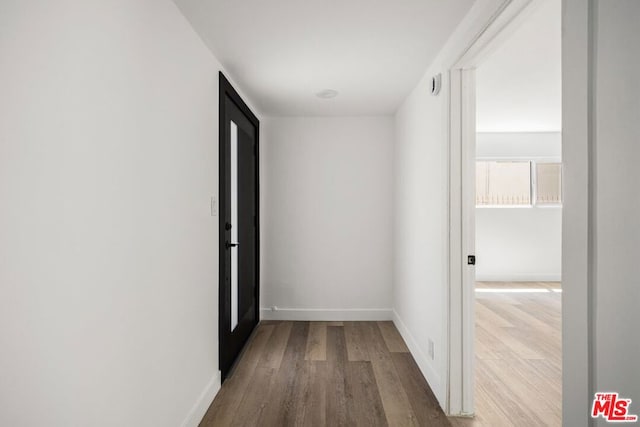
503,183
548,183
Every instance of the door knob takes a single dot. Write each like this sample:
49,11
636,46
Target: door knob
231,245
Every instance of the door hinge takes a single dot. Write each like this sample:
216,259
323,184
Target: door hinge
471,260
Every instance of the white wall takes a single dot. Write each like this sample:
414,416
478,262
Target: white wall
519,244
519,85
108,252
600,243
421,229
327,217
519,145
421,216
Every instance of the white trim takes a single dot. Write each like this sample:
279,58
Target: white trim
327,314
468,188
549,206
533,277
542,132
506,206
538,159
516,290
579,257
506,19
203,402
454,320
424,363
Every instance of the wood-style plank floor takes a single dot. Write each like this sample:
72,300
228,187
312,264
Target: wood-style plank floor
518,379
325,374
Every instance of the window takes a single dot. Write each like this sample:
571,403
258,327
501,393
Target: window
503,183
548,183
518,183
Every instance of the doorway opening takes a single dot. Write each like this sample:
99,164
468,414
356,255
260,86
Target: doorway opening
506,219
239,232
518,225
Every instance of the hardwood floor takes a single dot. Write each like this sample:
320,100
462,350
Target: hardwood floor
325,374
518,356
361,373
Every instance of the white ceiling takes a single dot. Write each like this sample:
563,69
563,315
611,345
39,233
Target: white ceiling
282,52
519,85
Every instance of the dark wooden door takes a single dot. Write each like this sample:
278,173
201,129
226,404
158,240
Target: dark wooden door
239,236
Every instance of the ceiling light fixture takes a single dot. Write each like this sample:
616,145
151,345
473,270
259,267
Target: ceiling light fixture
327,94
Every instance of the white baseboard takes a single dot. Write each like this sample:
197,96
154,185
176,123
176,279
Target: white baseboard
518,278
424,363
327,315
198,410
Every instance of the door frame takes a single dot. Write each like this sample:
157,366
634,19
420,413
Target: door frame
461,131
227,91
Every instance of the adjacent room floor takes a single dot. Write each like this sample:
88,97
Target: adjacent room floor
518,355
325,374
